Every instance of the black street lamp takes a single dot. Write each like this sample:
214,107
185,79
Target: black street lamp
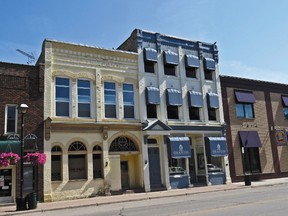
21,202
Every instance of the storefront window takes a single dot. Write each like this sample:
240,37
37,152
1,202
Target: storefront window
77,161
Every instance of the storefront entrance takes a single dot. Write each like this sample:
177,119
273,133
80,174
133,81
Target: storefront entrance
6,185
154,168
124,174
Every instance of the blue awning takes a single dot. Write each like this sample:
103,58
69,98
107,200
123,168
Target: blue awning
212,100
285,100
249,139
152,95
195,99
173,97
150,54
192,61
216,146
171,58
245,97
10,146
179,147
209,63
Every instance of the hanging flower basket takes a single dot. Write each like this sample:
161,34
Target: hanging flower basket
7,159
37,157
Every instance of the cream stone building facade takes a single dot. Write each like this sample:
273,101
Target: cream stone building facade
93,134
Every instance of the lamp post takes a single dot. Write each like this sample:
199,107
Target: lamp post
21,202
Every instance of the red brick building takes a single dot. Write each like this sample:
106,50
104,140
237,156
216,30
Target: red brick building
256,114
20,84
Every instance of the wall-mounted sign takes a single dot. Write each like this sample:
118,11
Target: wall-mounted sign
280,137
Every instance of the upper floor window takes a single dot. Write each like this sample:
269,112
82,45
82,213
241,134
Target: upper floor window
110,99
11,119
150,58
195,102
285,106
192,64
152,100
84,98
128,100
213,105
173,100
62,97
209,68
244,104
171,60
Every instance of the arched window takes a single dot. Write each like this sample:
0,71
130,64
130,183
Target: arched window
77,161
97,162
56,163
121,144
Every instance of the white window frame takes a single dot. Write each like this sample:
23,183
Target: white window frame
70,97
90,102
133,100
6,118
116,99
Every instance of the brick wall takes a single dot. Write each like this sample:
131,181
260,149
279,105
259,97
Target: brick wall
24,84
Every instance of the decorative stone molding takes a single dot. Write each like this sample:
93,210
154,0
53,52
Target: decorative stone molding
74,75
48,128
119,80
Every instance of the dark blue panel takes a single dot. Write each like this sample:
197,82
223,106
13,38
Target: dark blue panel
195,99
192,61
209,64
173,97
152,95
245,97
179,147
150,54
249,139
216,146
10,146
171,58
285,100
212,100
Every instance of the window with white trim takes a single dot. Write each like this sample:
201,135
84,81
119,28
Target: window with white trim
56,163
77,161
84,98
128,100
62,97
97,162
110,99
11,119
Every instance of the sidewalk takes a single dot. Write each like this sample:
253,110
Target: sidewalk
11,209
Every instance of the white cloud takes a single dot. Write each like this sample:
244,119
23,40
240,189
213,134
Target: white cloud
239,69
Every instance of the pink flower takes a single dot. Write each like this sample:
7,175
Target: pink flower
7,158
39,158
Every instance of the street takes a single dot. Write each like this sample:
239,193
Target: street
270,200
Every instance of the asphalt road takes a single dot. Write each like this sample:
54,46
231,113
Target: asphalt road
269,200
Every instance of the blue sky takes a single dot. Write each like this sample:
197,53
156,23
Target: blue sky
251,34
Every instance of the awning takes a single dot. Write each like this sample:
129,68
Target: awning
152,95
150,54
192,61
171,58
249,139
244,97
209,63
212,100
10,146
285,100
173,97
195,99
179,147
216,146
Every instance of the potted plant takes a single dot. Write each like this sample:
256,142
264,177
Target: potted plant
104,190
8,158
39,158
